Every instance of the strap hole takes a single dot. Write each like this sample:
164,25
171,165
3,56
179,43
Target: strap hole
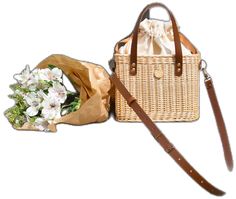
179,159
201,181
190,170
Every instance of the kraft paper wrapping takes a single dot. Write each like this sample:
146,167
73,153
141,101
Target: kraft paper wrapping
92,81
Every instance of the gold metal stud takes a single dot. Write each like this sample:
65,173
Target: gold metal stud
132,71
178,67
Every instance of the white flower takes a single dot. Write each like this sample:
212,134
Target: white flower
41,124
32,84
33,81
24,76
34,102
58,91
27,78
41,94
38,82
51,108
50,75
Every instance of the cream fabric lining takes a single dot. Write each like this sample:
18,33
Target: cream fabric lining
155,38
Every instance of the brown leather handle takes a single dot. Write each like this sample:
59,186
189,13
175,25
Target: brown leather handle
178,50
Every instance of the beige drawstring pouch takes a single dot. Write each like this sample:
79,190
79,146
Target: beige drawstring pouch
155,37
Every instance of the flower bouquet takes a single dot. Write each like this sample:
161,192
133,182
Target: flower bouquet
40,98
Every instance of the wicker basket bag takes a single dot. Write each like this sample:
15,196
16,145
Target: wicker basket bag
166,87
163,85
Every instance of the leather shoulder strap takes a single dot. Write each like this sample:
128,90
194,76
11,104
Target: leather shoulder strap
220,123
163,141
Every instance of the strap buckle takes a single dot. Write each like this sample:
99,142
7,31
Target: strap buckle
169,148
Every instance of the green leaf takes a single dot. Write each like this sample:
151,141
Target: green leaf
50,66
19,121
15,87
15,116
32,119
73,106
19,87
44,85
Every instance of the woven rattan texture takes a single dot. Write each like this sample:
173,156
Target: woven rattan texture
162,95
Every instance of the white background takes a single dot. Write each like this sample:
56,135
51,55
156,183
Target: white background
111,159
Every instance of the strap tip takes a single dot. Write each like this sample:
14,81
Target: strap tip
220,193
230,167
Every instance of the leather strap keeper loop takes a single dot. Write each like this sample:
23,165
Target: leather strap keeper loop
131,100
